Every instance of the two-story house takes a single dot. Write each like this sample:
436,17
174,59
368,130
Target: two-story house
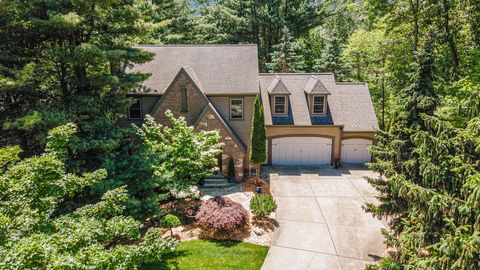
310,119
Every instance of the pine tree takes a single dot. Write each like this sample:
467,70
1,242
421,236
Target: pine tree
258,137
430,189
285,57
331,60
72,56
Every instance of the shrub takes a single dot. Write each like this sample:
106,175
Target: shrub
263,205
221,213
387,264
170,221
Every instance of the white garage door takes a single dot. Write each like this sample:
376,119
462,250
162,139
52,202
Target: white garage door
355,151
301,151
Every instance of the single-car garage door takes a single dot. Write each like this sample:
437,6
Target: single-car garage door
300,151
355,151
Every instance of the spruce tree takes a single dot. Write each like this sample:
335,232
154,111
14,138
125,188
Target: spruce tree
258,137
285,57
331,60
67,61
430,189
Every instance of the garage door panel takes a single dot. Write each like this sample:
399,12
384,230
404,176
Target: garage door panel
301,151
356,151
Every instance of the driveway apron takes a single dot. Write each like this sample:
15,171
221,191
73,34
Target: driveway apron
322,223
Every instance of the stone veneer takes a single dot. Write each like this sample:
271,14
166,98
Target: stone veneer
172,100
230,148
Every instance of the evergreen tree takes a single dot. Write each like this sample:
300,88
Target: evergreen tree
175,21
66,61
258,137
285,57
331,60
430,190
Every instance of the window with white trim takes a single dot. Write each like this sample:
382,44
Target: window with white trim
236,108
318,105
280,105
135,111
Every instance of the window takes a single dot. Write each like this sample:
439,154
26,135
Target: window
135,111
184,100
318,104
279,104
236,108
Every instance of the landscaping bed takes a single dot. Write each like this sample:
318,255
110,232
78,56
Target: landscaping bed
213,254
258,230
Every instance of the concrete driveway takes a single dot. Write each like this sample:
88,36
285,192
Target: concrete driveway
322,224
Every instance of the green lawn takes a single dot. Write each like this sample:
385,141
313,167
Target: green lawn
213,254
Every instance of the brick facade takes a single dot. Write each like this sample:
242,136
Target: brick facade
172,100
230,148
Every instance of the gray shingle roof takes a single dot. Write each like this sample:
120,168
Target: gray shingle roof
315,86
277,87
349,104
219,69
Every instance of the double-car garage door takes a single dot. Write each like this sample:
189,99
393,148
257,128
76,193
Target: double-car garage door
301,151
311,151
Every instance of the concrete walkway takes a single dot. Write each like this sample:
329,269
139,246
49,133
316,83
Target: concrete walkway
322,224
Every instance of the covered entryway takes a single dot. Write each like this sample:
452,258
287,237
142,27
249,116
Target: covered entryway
301,151
355,151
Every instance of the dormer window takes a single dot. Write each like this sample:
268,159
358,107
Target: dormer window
318,105
280,104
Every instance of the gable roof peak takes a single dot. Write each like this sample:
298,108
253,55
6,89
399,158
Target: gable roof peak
315,86
192,75
277,87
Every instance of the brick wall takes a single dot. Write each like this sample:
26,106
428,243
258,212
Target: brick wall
230,149
172,100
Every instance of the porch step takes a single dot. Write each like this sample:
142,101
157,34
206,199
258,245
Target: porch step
218,184
215,176
220,191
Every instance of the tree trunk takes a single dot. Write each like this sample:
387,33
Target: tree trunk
448,35
415,10
257,172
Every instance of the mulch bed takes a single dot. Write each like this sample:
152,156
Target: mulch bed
251,186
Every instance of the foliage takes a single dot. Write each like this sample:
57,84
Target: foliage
258,137
34,235
214,254
186,156
263,205
66,61
431,194
170,221
384,264
221,214
163,162
284,57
